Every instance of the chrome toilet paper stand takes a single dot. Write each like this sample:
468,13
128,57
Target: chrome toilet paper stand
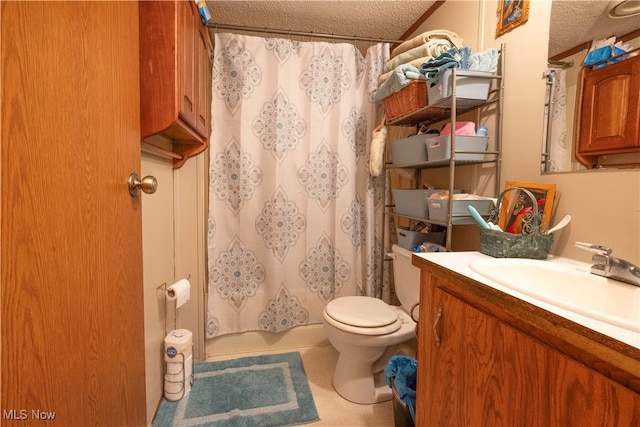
163,288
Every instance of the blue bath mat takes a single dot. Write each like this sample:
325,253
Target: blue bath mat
270,390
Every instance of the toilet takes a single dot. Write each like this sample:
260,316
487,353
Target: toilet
366,332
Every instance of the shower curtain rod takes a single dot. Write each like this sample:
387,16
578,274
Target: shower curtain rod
562,64
216,26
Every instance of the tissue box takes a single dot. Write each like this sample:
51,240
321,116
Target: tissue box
474,86
439,209
410,239
439,147
414,202
409,150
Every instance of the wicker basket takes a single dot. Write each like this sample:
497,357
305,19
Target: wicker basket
530,244
410,98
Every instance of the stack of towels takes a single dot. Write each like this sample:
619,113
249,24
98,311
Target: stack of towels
427,54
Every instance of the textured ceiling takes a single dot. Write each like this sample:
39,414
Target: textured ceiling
573,22
387,19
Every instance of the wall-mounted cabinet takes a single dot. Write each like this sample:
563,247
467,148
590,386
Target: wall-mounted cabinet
175,76
609,111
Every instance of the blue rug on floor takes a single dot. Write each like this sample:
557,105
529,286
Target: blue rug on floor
261,391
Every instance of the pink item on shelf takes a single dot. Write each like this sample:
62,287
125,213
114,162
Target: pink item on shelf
462,128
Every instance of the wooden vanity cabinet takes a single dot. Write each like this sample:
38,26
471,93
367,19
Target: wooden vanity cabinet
175,76
476,369
609,111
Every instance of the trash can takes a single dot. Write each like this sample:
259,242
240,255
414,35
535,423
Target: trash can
400,373
401,414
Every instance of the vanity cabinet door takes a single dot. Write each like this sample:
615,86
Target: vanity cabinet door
486,372
482,373
610,109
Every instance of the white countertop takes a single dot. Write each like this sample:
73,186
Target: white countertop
460,261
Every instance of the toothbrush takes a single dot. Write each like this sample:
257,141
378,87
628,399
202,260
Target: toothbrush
476,215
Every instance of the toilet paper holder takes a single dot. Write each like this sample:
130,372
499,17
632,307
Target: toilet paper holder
163,287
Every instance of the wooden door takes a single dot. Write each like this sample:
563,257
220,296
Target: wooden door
71,267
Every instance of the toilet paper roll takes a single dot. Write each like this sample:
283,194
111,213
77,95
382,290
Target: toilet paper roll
175,369
180,292
178,345
176,391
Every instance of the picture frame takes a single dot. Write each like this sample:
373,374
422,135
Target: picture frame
511,14
515,204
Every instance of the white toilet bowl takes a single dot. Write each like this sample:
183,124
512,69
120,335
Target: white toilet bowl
367,332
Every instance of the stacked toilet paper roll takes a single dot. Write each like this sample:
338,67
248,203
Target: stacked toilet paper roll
178,357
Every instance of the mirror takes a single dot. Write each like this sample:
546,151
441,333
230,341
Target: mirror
574,24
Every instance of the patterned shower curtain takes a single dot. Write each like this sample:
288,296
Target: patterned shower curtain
559,153
294,215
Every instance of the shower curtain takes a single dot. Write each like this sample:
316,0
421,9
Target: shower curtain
294,215
559,153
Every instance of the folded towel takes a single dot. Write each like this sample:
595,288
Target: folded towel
416,63
402,76
424,38
484,61
431,49
454,57
401,373
462,128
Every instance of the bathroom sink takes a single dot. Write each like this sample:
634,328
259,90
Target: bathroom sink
569,286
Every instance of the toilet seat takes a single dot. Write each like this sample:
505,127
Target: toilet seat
362,315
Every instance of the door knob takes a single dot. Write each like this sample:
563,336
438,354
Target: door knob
148,184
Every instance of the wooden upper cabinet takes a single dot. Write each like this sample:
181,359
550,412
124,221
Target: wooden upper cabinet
609,111
175,76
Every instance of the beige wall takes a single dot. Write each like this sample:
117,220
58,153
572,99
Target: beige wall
157,249
173,234
604,205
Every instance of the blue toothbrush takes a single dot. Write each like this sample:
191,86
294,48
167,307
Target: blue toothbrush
476,215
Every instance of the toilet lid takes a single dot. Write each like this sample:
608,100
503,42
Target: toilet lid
361,312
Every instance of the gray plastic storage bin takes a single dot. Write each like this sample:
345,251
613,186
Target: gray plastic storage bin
410,239
439,209
413,202
439,147
474,86
409,150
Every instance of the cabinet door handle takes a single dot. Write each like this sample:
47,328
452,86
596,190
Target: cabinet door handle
435,327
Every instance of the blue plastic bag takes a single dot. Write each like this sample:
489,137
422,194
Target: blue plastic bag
602,54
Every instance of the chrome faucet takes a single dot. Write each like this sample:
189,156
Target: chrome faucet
609,266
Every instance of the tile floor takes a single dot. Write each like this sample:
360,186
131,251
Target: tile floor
334,411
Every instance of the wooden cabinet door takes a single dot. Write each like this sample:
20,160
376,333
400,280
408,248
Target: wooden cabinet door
476,376
72,342
610,109
203,79
187,33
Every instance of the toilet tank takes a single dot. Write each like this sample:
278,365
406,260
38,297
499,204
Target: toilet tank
406,278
